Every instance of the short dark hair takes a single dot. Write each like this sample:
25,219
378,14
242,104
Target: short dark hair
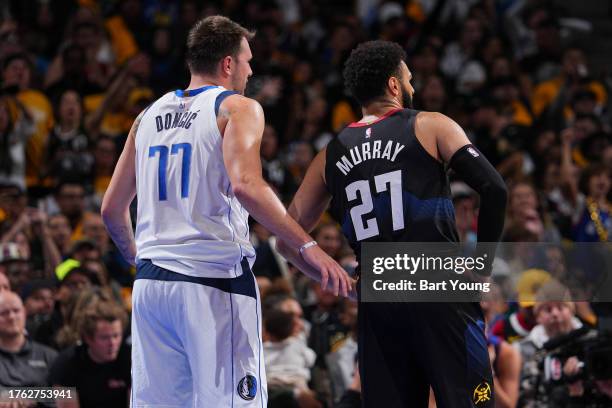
369,67
279,324
212,39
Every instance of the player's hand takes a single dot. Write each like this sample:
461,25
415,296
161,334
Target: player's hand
330,271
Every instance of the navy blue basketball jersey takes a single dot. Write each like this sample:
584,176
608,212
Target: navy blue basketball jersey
385,186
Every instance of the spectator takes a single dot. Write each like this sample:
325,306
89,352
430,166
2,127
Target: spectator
329,239
352,396
23,362
14,134
60,231
13,202
105,157
4,282
268,262
458,56
288,360
15,265
302,154
39,301
70,198
67,150
524,211
17,79
593,222
514,75
69,71
69,289
103,356
505,363
464,201
274,169
573,78
341,361
517,325
554,313
85,249
31,228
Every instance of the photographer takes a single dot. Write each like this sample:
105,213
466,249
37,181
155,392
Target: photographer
554,313
578,396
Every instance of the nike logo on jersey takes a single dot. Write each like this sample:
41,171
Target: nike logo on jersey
369,151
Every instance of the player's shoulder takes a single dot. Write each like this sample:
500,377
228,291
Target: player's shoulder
426,118
436,124
239,103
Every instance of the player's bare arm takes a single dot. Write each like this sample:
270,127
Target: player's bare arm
307,206
241,145
120,193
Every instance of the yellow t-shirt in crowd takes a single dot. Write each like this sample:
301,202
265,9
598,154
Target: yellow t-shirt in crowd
122,40
40,109
546,92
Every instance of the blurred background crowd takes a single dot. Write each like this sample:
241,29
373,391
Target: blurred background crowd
528,80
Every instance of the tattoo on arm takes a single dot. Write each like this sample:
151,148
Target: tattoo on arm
123,236
136,123
223,113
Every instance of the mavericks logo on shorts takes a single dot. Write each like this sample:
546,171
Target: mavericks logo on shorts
482,393
247,387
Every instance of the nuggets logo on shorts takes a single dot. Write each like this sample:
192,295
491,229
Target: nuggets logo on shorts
482,393
247,387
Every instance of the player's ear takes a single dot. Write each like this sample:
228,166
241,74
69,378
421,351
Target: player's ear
226,65
394,86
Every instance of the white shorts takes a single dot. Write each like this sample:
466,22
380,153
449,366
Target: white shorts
196,342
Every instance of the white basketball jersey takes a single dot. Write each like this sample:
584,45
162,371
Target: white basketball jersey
188,218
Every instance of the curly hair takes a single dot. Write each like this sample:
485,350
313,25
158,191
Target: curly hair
369,67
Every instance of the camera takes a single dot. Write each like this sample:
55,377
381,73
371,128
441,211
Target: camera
592,348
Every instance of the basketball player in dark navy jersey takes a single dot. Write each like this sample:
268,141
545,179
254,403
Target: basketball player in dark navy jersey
384,179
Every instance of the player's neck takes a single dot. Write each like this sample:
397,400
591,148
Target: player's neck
198,81
379,108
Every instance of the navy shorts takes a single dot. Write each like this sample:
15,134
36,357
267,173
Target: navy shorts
404,348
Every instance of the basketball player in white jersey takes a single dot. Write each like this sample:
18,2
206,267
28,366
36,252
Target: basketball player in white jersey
192,158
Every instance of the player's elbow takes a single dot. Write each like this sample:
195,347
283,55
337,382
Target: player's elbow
497,191
109,212
241,191
244,188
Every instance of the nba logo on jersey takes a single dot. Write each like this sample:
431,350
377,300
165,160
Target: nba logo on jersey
472,152
368,133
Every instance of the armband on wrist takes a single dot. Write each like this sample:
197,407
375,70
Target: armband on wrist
306,246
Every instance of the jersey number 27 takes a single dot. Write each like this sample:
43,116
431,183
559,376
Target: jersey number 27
368,227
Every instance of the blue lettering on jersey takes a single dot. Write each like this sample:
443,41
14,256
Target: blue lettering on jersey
179,120
163,166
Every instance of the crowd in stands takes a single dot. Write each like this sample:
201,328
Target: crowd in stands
75,73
